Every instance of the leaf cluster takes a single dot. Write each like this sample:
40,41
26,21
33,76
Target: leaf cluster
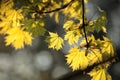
21,24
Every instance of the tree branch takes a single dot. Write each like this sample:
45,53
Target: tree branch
83,24
57,9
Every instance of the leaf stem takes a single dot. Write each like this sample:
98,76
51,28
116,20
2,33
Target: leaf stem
83,24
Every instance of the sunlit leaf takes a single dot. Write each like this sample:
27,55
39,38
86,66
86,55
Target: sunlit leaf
68,24
94,56
56,42
100,74
77,59
18,38
72,36
11,19
74,10
107,47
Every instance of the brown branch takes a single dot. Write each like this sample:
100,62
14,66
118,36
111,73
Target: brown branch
57,9
83,24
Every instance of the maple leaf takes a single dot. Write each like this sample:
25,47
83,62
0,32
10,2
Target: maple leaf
74,10
55,41
94,56
17,37
11,19
72,36
100,74
68,24
107,47
77,59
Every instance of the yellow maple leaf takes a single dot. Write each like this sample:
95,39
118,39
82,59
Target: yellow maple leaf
74,10
72,36
71,25
11,19
94,56
100,74
77,59
68,24
107,47
17,37
6,5
56,42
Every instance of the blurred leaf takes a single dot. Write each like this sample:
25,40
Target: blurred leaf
107,47
36,27
73,36
9,19
18,41
100,74
57,17
100,22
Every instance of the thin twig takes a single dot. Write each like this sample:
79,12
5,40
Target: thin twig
57,9
83,24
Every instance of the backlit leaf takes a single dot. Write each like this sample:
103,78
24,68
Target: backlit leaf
94,56
100,74
68,24
77,59
107,47
55,41
11,19
72,36
17,37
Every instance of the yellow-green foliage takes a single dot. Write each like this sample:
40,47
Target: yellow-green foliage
21,24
